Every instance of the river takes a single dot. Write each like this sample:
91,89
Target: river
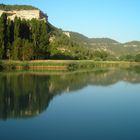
99,104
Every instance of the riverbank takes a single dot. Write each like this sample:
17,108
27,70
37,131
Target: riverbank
62,64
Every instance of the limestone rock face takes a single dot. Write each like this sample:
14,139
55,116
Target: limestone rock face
24,14
67,34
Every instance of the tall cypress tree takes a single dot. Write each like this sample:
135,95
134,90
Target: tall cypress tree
27,50
43,40
1,39
35,30
17,25
10,37
3,36
17,44
16,49
24,30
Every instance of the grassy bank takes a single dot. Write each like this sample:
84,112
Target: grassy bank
62,64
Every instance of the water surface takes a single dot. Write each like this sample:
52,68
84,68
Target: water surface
103,104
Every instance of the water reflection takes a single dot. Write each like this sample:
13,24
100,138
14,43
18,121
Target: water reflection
24,95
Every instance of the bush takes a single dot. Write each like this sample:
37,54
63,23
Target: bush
1,67
72,66
137,58
10,66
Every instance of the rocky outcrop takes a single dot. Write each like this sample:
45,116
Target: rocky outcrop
67,34
24,14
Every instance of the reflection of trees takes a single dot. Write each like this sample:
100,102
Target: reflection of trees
72,82
28,94
23,95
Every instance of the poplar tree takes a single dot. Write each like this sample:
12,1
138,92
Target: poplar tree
10,37
43,40
3,36
35,31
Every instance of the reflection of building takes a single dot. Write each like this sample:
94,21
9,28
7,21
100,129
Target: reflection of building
24,14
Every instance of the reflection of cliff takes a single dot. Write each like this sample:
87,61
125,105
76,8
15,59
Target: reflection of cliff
28,94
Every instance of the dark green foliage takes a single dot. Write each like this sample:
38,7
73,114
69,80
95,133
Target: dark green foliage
1,66
35,31
10,31
22,39
22,50
137,58
3,36
131,58
127,57
43,41
17,22
39,39
7,66
27,50
72,66
24,30
16,49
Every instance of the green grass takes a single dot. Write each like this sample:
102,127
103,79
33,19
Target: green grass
62,64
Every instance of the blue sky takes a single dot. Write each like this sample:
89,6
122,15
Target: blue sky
117,19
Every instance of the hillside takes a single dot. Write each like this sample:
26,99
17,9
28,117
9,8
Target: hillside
132,44
103,40
52,42
78,37
107,44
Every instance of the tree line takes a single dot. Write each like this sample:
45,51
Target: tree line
23,39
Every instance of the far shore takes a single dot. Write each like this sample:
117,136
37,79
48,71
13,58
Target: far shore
62,64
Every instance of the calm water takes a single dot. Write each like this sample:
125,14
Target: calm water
100,105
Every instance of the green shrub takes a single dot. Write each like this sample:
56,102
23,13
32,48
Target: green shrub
137,58
72,66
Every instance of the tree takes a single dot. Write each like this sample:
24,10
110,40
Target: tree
10,31
3,36
10,36
16,49
17,25
27,50
43,40
24,30
104,55
39,32
137,58
35,34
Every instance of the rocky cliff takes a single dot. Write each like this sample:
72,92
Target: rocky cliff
24,14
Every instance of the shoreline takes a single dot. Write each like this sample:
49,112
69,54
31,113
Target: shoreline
65,65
